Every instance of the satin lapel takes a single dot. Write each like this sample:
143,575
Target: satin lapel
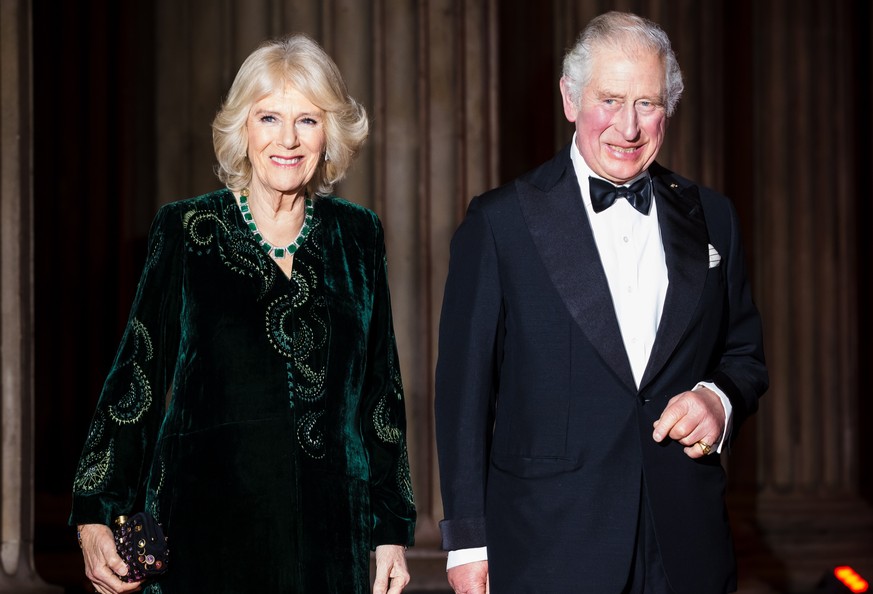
558,224
685,240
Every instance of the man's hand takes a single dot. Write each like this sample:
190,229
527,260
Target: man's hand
690,418
391,572
102,563
470,578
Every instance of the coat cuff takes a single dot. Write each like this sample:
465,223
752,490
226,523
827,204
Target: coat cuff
464,533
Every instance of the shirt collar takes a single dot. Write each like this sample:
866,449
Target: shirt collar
583,172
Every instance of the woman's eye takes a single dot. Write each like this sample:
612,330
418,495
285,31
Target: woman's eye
268,119
309,121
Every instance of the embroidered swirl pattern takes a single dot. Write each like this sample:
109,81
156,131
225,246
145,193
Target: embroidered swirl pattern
136,401
310,435
95,433
403,477
94,470
386,430
155,492
297,326
238,252
140,344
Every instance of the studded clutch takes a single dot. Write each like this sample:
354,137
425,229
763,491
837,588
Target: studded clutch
140,541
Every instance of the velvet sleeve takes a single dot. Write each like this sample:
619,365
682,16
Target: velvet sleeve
384,419
111,474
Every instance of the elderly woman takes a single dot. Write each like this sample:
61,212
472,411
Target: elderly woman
255,406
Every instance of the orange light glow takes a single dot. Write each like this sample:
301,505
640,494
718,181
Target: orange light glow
850,578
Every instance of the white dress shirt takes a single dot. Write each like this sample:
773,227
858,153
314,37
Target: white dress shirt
632,254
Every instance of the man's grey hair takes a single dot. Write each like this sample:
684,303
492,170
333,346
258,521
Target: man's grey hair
629,33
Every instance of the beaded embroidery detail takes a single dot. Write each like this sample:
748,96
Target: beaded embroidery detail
94,470
135,402
310,437
235,253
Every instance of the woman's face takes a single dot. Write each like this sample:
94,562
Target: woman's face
286,142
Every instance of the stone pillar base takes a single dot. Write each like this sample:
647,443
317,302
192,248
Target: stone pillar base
26,581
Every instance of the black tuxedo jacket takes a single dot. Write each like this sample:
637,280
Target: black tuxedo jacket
545,443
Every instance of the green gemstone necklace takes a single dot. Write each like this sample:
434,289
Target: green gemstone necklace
269,248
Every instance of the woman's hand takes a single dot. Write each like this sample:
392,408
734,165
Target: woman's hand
391,573
102,563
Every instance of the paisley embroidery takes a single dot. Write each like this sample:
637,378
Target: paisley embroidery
154,493
157,246
94,470
140,344
280,321
385,428
238,252
95,434
297,326
310,437
201,239
304,345
135,401
404,479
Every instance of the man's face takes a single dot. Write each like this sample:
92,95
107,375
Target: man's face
621,118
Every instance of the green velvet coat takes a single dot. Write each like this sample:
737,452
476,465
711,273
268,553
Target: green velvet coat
259,418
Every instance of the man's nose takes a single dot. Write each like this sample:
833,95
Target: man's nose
627,122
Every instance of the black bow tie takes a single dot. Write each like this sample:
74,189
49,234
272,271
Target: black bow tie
603,194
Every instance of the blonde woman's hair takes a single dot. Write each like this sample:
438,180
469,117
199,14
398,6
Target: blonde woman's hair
299,62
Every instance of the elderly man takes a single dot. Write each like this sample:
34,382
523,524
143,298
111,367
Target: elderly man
599,348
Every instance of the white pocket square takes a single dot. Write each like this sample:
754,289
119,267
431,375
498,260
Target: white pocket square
714,257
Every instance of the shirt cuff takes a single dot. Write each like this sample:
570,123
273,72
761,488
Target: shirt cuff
464,556
728,411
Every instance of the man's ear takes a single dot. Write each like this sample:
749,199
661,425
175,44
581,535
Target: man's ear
571,110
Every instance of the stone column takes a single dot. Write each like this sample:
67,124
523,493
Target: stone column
17,572
808,506
434,141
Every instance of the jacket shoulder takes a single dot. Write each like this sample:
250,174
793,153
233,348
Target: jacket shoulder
541,178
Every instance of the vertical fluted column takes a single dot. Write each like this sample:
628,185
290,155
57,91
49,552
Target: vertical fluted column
17,572
434,143
806,207
808,284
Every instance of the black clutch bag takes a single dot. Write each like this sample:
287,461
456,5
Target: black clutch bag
140,541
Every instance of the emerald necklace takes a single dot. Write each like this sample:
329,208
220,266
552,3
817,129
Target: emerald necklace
269,248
